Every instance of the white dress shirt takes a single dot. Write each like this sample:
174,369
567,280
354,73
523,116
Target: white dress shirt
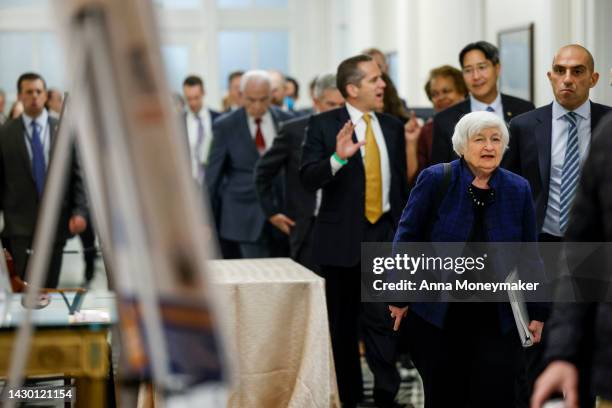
44,132
558,146
360,128
267,128
199,158
477,106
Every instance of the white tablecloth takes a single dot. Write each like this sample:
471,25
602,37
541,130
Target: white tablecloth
276,320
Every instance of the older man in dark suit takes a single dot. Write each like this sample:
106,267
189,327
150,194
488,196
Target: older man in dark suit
26,147
481,67
297,218
357,158
240,138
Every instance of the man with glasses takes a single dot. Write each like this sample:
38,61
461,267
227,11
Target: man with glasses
480,65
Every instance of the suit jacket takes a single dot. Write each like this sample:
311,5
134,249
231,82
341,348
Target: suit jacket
509,218
529,151
445,121
285,154
213,115
339,225
231,168
19,199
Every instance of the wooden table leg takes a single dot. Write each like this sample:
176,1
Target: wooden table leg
90,392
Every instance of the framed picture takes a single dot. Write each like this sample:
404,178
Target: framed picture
516,55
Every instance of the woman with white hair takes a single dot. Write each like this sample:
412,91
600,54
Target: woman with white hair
469,354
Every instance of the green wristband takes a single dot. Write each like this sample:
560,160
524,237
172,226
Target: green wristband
339,160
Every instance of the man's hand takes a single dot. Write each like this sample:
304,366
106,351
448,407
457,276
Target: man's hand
282,222
412,129
398,313
77,224
535,327
345,147
559,376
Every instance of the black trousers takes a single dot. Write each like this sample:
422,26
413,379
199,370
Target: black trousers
19,246
88,240
347,315
469,363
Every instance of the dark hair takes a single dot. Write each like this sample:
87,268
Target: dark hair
234,75
489,50
193,80
448,72
295,84
349,72
29,76
393,105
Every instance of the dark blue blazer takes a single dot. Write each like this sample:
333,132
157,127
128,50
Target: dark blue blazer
529,151
338,229
230,176
444,124
510,218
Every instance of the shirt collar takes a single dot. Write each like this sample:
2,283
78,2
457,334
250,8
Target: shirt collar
200,114
584,110
480,106
264,119
41,120
356,115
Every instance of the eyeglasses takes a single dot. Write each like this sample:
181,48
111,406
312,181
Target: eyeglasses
481,68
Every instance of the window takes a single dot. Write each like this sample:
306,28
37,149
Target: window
252,3
178,4
176,62
244,50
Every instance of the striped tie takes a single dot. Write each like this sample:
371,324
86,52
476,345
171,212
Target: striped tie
570,172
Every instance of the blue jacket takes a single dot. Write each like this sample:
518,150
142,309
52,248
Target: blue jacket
509,218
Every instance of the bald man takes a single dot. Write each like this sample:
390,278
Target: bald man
548,146
539,141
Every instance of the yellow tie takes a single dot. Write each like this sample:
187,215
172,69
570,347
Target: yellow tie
373,185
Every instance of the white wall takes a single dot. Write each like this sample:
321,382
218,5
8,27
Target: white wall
430,33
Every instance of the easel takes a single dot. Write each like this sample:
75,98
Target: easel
146,208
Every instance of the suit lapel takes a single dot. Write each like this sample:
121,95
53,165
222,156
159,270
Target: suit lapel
249,143
53,128
508,111
543,136
19,139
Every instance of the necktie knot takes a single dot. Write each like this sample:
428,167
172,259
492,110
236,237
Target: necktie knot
490,109
367,118
258,121
572,118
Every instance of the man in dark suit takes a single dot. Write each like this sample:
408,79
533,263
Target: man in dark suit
548,146
536,134
240,138
480,64
357,158
26,146
198,120
297,218
582,331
